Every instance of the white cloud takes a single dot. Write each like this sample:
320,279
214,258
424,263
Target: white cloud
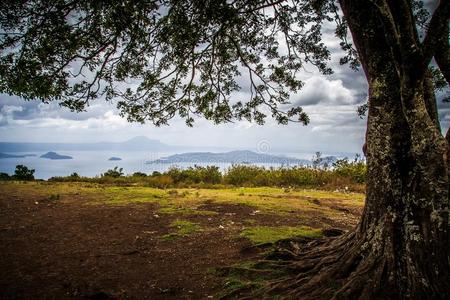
320,90
7,113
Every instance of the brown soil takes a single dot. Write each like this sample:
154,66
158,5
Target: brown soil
70,249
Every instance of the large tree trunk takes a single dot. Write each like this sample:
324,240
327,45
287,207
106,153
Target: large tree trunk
404,227
400,249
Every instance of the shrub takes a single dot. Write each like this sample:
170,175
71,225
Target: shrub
139,174
355,170
114,173
208,174
23,173
196,174
161,181
242,175
176,174
156,173
4,176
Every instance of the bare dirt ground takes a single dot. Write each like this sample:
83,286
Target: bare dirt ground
69,249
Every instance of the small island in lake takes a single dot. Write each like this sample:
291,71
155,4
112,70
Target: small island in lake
5,155
114,158
54,155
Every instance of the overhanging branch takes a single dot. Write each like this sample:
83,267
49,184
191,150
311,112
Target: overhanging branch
442,55
438,25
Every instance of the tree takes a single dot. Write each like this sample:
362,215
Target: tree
23,173
184,57
114,173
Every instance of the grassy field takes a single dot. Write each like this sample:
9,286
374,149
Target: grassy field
84,239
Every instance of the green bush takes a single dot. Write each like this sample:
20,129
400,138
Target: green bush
4,176
114,173
243,175
23,173
355,170
139,174
160,181
195,175
240,175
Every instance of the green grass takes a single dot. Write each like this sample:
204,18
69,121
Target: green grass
265,234
183,228
266,199
185,211
246,276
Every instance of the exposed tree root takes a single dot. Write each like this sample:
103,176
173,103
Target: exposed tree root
350,266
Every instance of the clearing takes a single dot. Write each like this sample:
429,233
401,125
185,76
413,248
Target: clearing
90,241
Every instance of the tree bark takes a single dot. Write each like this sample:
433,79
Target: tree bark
404,227
400,249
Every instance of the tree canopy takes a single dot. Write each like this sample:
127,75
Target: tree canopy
177,57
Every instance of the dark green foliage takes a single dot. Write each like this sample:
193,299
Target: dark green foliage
196,174
159,181
241,174
139,174
4,176
114,173
185,55
23,173
156,173
439,81
356,169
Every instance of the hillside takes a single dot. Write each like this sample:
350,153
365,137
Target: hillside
233,157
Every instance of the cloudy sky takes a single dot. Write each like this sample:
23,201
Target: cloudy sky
331,102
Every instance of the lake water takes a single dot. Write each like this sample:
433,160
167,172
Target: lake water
93,163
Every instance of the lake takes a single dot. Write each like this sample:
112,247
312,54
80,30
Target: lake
93,163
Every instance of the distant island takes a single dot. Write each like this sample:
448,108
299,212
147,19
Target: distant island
5,155
233,157
114,158
54,155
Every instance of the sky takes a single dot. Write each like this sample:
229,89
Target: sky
330,101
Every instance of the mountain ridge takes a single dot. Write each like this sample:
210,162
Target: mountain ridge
136,143
234,157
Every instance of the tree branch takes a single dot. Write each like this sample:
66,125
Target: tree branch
430,99
442,55
438,25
